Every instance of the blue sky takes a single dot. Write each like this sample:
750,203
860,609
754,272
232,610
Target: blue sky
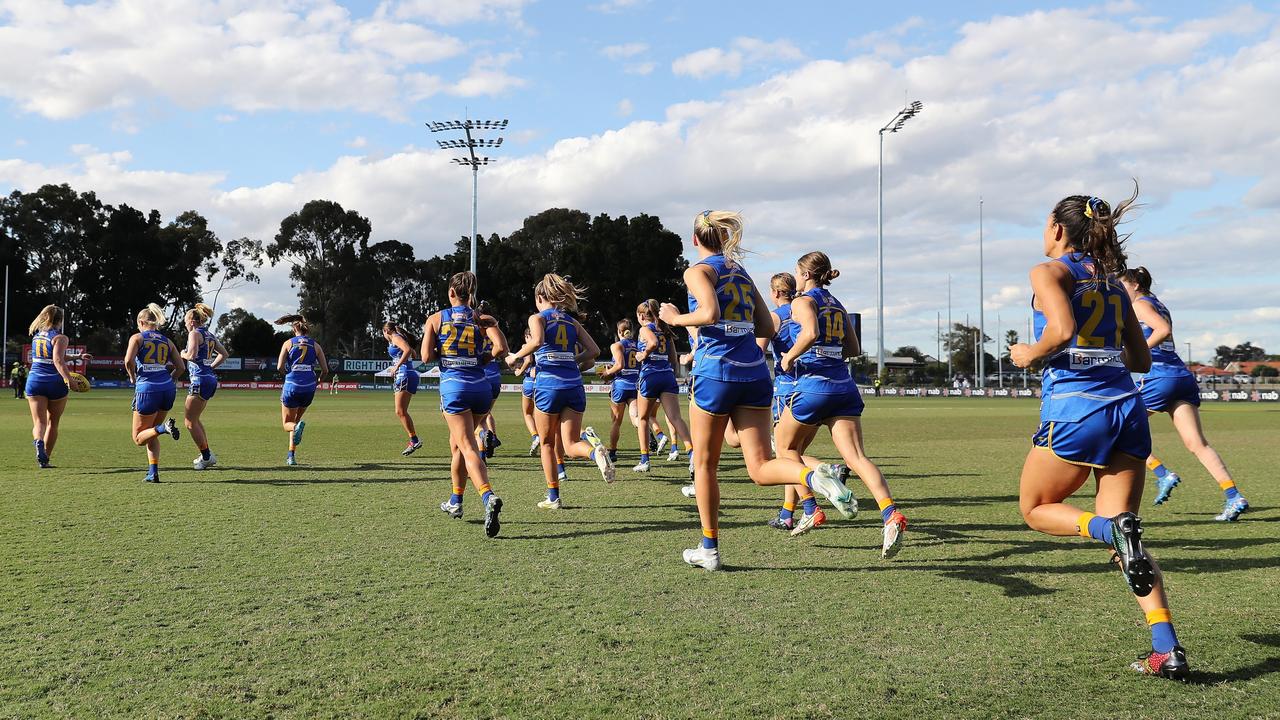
245,110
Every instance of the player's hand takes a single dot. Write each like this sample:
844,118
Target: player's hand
1021,355
787,363
511,361
668,312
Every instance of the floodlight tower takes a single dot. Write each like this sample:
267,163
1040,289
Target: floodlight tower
893,126
471,160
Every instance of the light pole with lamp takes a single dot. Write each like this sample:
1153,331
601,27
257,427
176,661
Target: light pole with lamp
893,126
471,160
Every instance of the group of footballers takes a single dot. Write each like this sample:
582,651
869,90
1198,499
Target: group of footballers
1096,324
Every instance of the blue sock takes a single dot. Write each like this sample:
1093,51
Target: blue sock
644,458
39,447
808,479
887,511
1100,529
455,499
161,429
553,493
810,505
1232,492
153,469
205,454
786,513
708,542
582,436
613,456
661,436
1160,471
592,456
1162,637
485,497
560,468
413,439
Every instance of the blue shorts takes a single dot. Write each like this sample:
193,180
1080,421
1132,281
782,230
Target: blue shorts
622,394
814,409
475,400
1162,392
553,401
150,402
49,388
1118,427
202,387
526,389
407,382
495,386
297,397
719,397
653,385
781,390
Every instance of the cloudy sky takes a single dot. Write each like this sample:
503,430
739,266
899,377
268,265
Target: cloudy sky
246,109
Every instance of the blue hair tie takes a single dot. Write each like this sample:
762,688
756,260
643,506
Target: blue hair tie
1091,206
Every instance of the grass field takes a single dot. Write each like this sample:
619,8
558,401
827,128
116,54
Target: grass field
338,589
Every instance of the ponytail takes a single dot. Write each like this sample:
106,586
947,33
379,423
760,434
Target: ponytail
625,331
1139,276
297,322
560,292
785,283
720,231
395,329
50,317
201,313
152,315
1090,223
818,265
463,285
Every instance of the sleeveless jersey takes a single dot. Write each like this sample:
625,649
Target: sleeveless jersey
630,372
460,347
1164,357
300,362
1089,373
822,369
781,343
395,352
199,365
557,368
42,367
151,362
492,370
727,349
658,360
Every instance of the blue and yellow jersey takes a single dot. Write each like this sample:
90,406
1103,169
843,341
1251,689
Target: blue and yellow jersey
42,366
659,359
395,352
205,350
727,349
781,343
822,369
1090,372
557,367
460,344
630,372
492,370
300,362
152,362
1164,357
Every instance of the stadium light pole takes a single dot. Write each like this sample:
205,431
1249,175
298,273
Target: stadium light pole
950,328
893,126
471,160
4,349
6,286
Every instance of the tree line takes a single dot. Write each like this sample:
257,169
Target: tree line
103,263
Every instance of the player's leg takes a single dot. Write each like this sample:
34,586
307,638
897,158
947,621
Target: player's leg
1186,420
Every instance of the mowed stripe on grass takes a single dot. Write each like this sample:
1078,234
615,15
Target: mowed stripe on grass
338,588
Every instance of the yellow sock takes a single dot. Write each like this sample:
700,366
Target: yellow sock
710,533
1153,463
789,506
1227,484
884,503
1082,524
1158,615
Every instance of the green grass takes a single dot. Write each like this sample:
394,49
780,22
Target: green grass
338,589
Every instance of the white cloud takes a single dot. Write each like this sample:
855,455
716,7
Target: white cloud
745,51
488,76
616,6
625,108
454,12
358,142
797,154
624,51
640,68
283,54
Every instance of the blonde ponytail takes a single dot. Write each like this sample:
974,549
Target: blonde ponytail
50,317
152,315
297,322
201,313
558,291
720,231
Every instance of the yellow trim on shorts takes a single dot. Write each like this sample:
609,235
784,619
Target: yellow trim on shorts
1049,447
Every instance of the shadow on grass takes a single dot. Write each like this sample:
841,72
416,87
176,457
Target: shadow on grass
1248,672
284,482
